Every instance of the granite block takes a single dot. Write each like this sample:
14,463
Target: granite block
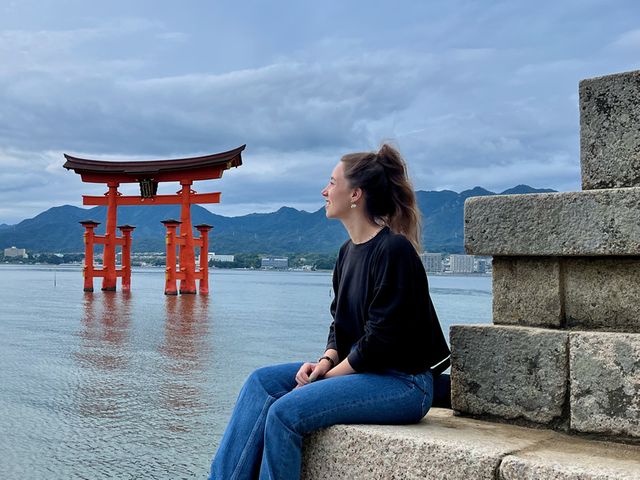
604,376
589,223
610,131
602,293
527,291
509,372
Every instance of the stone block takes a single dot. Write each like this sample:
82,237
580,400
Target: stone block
509,372
604,376
602,293
527,291
610,131
441,447
590,293
588,223
569,458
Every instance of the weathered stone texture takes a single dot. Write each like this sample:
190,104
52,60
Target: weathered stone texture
510,372
441,447
444,446
569,458
602,293
605,382
589,223
591,293
610,131
527,291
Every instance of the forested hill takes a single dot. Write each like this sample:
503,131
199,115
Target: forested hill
285,231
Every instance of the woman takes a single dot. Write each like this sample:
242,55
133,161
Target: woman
384,338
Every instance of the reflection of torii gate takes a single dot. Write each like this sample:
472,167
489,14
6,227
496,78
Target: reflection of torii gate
149,174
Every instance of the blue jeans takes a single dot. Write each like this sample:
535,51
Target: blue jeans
263,439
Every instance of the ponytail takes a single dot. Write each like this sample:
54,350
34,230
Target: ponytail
389,196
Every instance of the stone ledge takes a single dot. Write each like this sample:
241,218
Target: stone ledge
571,458
589,223
445,447
441,447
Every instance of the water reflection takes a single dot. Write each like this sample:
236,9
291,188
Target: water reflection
105,330
176,375
143,375
104,352
186,330
185,349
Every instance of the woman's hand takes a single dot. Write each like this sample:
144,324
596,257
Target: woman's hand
310,372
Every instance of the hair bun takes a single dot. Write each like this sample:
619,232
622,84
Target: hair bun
385,149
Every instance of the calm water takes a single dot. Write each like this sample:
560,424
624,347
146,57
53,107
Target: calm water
108,385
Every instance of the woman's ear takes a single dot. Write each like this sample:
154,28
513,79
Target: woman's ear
356,194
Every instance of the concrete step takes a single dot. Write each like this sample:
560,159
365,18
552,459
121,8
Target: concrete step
445,447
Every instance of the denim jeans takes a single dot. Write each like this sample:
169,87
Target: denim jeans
263,439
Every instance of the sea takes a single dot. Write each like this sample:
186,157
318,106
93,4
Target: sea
114,385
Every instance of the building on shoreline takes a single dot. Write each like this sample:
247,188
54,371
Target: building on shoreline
274,262
220,258
454,263
14,252
432,262
461,263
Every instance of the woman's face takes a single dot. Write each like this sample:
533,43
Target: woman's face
337,194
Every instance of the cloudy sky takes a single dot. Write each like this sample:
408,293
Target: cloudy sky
472,92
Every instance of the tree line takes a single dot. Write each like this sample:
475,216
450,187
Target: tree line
314,261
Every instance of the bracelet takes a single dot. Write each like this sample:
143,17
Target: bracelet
333,364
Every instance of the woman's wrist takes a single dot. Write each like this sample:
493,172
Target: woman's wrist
329,359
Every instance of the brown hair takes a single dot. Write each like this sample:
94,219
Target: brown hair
389,196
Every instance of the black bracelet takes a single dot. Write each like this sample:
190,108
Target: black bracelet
333,364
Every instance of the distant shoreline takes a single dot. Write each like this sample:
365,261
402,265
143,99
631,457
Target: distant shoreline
78,267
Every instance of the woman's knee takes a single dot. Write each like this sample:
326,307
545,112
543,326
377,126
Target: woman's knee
267,373
276,380
282,415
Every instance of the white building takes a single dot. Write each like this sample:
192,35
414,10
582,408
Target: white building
273,262
461,263
432,262
221,258
15,252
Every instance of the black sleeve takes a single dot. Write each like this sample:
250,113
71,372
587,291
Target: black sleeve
386,330
331,339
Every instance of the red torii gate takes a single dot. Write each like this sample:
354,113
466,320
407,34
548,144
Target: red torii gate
149,174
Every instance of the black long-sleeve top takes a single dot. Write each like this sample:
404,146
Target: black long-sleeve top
383,308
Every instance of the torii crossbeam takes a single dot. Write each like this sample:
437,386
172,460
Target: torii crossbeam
149,174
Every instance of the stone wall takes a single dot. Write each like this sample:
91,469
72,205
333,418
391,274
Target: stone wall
564,347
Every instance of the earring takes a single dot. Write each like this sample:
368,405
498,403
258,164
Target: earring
353,205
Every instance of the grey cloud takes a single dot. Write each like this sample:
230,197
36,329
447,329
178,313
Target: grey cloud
286,106
472,93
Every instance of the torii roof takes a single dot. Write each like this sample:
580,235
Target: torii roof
162,170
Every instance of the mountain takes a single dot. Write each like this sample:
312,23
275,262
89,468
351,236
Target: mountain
520,189
285,231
